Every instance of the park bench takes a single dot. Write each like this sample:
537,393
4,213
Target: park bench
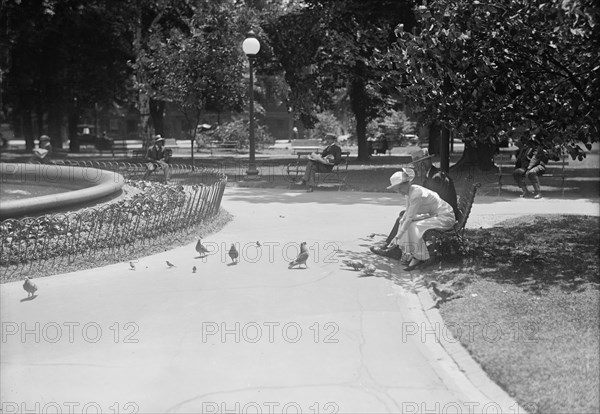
337,176
444,243
505,162
305,145
223,146
124,146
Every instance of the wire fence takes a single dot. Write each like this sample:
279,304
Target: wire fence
192,196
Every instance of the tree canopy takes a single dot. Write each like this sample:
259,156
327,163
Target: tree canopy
487,67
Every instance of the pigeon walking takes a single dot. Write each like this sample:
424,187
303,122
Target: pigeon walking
301,258
355,264
131,266
170,264
29,287
200,248
233,253
369,269
194,269
258,244
443,293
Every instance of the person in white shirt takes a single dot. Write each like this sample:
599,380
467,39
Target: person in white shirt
424,210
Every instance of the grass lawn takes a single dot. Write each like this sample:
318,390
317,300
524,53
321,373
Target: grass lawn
529,309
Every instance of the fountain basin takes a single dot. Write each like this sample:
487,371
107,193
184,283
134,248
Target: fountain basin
69,187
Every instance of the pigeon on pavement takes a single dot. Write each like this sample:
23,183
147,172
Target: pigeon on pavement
258,244
355,264
301,258
131,266
200,248
29,287
369,269
443,293
194,269
170,264
233,253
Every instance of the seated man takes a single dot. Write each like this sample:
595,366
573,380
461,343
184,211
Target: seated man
43,154
531,163
431,178
324,162
158,157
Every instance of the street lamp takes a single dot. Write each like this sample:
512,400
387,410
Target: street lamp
251,46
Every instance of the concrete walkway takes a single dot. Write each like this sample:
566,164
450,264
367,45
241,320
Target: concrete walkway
255,336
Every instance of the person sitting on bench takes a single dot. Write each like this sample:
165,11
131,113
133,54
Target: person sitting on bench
158,157
531,163
324,162
430,177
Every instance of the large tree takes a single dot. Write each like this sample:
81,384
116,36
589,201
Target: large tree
328,45
489,68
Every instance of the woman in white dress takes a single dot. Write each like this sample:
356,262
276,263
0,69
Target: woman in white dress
424,210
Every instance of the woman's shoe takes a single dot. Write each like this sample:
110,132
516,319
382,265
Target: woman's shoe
414,263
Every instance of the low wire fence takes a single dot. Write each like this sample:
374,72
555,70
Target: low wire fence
153,210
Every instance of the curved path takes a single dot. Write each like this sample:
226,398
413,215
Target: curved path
250,337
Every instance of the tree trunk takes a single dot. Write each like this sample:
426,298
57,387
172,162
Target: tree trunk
72,130
55,118
27,129
144,130
477,155
445,150
157,110
435,133
357,97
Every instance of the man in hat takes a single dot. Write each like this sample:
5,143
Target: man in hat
425,210
531,163
430,177
324,162
43,153
158,157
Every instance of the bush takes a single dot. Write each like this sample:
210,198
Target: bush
237,130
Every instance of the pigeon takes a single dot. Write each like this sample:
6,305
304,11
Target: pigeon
194,269
369,269
444,293
301,258
355,264
29,287
371,235
200,248
258,244
170,264
233,253
131,266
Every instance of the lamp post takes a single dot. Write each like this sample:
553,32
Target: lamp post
251,46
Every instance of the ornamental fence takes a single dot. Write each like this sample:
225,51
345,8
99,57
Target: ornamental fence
153,211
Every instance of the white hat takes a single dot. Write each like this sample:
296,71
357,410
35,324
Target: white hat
419,155
400,177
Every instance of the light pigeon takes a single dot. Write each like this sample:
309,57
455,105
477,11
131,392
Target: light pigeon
200,248
444,293
233,253
355,264
131,266
301,258
369,269
170,264
29,287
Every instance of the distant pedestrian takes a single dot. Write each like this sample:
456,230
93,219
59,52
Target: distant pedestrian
531,164
42,154
158,158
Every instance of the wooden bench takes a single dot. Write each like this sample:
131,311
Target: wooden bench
306,145
445,243
223,146
337,176
136,146
506,167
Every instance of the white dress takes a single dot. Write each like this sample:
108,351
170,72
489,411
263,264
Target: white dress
424,210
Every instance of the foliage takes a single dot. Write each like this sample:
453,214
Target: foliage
237,130
491,67
327,124
328,45
394,124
